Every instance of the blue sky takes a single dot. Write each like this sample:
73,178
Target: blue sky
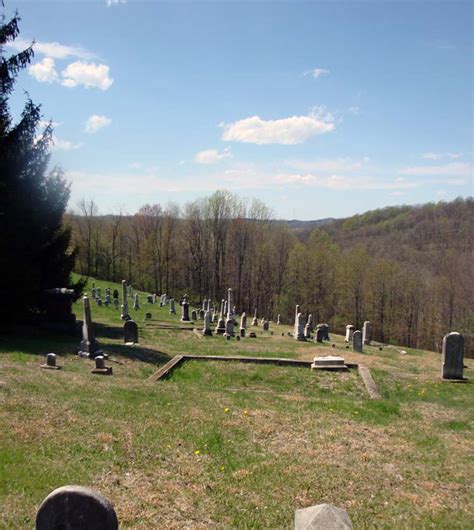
320,109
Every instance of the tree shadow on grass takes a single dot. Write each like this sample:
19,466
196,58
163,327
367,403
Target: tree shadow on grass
138,353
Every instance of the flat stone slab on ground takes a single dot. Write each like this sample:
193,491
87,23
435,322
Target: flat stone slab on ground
329,362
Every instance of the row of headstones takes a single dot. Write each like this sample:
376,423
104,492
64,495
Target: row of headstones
80,507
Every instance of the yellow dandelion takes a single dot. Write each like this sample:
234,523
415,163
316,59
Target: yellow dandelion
197,452
246,412
226,409
222,468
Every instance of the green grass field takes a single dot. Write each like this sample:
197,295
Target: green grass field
227,445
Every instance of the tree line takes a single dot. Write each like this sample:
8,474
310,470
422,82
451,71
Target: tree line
406,269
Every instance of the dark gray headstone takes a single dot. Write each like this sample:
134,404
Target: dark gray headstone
76,508
452,356
319,335
266,325
148,316
130,331
357,341
194,315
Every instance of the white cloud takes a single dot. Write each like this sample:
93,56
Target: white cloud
440,156
54,50
316,73
453,169
96,122
115,2
90,75
286,131
63,145
328,165
44,71
212,156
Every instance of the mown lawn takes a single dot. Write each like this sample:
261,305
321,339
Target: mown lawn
224,445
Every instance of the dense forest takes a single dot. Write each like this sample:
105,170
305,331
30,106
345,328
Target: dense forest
408,269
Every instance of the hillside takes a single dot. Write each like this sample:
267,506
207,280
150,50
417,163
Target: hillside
224,445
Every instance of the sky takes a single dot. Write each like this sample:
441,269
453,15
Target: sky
319,109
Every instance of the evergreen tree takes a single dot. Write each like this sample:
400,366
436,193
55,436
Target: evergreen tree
34,252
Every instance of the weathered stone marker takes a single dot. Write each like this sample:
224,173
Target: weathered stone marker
88,344
319,335
130,332
206,330
254,319
229,323
124,309
243,324
357,341
349,333
51,362
367,332
452,357
184,309
76,508
148,316
172,307
299,326
278,319
220,328
322,517
136,302
266,325
100,367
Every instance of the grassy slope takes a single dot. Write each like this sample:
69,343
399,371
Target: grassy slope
226,445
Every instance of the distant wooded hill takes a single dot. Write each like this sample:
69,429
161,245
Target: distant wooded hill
408,269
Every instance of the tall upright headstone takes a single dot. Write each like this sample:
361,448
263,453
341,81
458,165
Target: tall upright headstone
193,315
172,307
220,328
254,319
243,324
266,325
367,332
136,302
184,309
88,344
349,333
299,327
310,323
357,341
278,319
206,330
124,309
452,356
229,323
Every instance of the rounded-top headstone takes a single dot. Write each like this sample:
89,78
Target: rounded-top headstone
51,359
76,508
99,361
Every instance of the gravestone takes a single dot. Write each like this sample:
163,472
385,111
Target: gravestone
299,327
51,362
100,367
93,291
148,316
136,303
220,328
201,314
278,319
349,333
172,307
89,346
149,298
367,332
124,309
229,323
206,330
252,335
115,294
98,292
193,315
357,341
130,332
319,334
99,302
266,325
322,517
243,324
154,298
452,356
307,331
76,508
310,323
325,331
57,304
254,319
184,309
